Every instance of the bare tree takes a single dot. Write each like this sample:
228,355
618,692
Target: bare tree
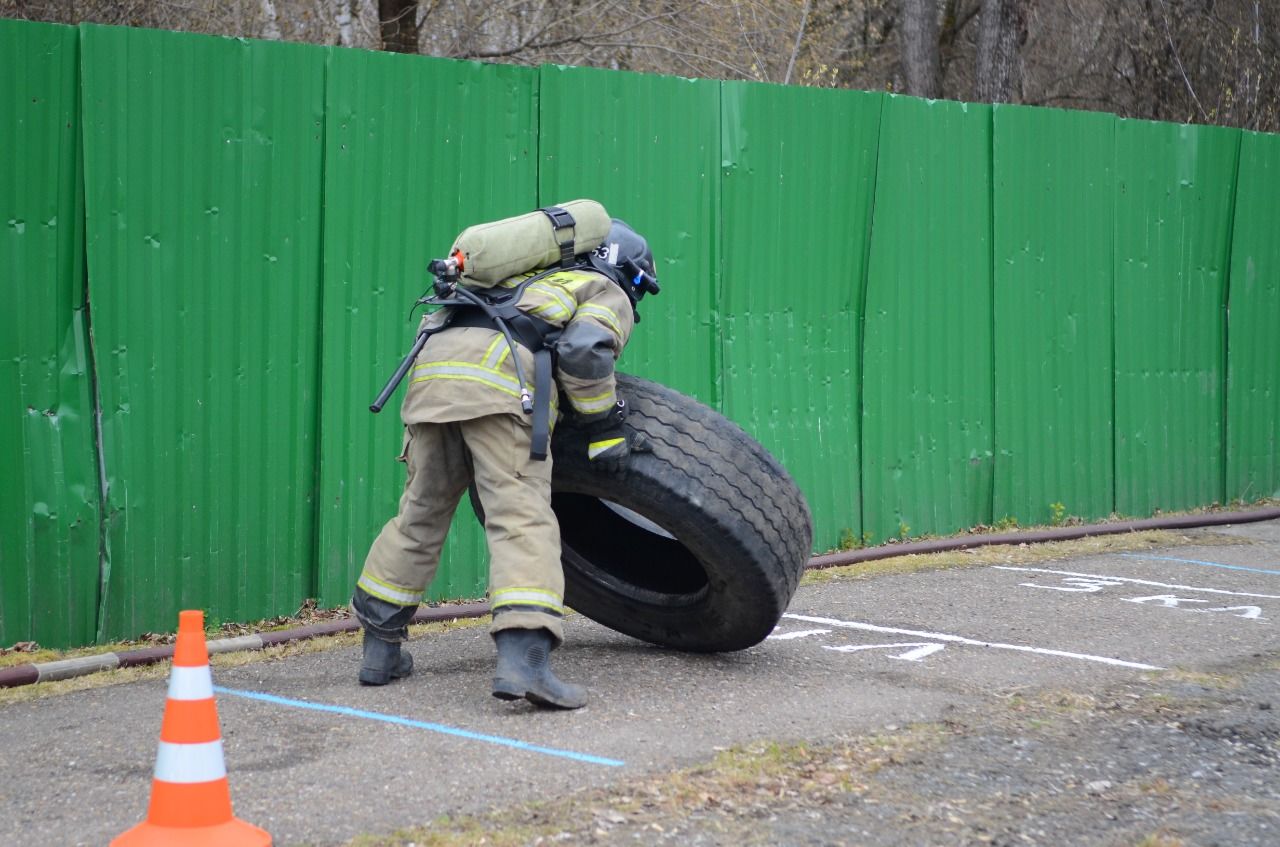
920,47
1002,30
399,23
1206,61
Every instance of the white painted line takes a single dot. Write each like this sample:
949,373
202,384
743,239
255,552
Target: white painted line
787,636
1138,582
958,639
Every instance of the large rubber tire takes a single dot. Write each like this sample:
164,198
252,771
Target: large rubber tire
711,538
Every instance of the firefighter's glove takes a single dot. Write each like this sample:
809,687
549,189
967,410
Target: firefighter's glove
607,442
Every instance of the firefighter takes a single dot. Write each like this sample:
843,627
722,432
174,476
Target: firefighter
464,423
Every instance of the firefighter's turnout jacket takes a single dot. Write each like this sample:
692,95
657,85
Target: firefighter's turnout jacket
467,372
463,423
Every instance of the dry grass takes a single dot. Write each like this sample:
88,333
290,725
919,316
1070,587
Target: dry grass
1216,681
728,793
36,655
1006,554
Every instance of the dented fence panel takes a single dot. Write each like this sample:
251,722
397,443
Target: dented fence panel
407,166
48,474
798,177
927,376
1175,187
1253,331
203,205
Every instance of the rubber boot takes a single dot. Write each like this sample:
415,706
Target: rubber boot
524,670
383,661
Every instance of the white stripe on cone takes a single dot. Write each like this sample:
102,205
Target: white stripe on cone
190,683
187,763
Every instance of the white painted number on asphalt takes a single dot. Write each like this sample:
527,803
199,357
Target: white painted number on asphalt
1250,612
917,653
1094,583
1167,600
1077,583
1130,581
921,649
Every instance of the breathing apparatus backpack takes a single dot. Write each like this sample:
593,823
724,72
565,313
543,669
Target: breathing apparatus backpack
485,254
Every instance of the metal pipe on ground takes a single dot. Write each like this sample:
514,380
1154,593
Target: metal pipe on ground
27,674
1036,536
67,668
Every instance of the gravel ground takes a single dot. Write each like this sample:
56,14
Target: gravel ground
1166,763
1181,759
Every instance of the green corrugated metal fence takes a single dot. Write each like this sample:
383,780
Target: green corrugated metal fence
936,314
1253,326
647,147
1052,210
800,166
1174,199
49,492
203,208
406,168
927,381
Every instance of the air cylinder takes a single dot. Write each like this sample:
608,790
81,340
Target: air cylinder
493,251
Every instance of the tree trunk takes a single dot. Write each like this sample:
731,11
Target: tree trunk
399,20
1002,31
343,17
271,21
920,47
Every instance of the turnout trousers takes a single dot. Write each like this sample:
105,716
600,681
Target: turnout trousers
526,582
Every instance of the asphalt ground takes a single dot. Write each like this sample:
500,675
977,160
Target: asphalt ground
316,759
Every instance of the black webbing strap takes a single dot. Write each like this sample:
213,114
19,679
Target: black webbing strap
541,404
523,327
530,331
561,219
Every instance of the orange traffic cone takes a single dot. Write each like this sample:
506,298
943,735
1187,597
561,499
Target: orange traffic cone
190,797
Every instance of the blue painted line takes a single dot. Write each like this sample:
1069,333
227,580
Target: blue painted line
1198,562
433,727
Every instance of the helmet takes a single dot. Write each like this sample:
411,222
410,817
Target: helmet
625,258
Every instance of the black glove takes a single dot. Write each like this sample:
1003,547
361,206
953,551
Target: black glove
606,439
